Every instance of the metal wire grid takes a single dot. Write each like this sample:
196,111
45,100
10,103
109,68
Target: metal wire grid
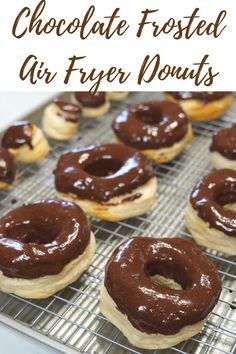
72,317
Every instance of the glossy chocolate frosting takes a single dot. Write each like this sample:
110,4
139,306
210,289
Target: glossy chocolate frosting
17,135
67,110
209,96
154,308
100,172
210,195
224,142
7,166
151,125
87,99
40,239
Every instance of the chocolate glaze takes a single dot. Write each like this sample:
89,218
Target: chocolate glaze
209,96
67,110
233,305
132,197
224,142
40,239
210,195
151,125
17,135
7,166
154,308
127,199
90,100
100,172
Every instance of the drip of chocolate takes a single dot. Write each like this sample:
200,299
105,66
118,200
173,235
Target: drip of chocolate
210,195
224,142
40,239
152,307
201,96
17,135
86,99
68,111
101,172
151,125
7,166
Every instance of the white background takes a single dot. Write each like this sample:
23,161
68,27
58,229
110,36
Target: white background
126,52
12,342
17,105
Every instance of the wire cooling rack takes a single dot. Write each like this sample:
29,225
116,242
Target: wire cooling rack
70,320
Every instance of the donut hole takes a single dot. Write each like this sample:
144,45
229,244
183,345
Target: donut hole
103,167
231,206
28,233
165,282
169,276
227,200
149,115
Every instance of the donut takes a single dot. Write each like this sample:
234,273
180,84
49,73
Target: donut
223,148
44,246
210,215
93,105
117,95
110,181
160,129
61,119
25,142
202,106
158,292
7,169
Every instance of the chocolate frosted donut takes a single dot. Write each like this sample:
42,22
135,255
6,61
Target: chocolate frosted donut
209,219
109,175
61,119
101,172
209,96
37,242
36,238
25,142
93,105
67,110
17,135
7,168
223,148
202,106
159,128
151,125
86,99
138,298
209,197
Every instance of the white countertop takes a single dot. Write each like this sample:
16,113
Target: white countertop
16,105
12,107
11,339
